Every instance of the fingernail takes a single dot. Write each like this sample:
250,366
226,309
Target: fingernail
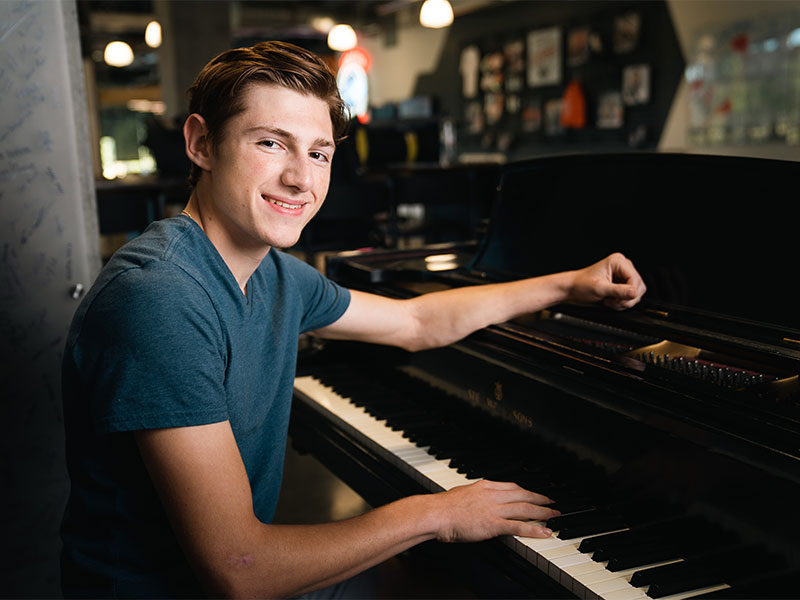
547,531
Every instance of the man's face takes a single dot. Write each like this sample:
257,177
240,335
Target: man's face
271,167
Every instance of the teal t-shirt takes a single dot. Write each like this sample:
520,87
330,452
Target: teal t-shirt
165,338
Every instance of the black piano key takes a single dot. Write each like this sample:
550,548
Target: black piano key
619,546
584,523
573,505
567,497
638,556
592,544
599,526
683,579
646,577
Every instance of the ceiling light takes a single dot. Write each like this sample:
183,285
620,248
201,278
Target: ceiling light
322,24
118,54
436,14
342,37
152,35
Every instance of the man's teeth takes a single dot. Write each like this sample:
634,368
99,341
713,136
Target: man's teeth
285,205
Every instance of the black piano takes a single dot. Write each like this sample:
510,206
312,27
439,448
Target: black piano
668,435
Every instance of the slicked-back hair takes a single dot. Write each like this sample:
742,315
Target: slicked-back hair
217,92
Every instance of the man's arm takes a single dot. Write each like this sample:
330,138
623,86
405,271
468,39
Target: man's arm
203,485
441,318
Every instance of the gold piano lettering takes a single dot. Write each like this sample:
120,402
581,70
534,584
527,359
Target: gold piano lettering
524,420
498,391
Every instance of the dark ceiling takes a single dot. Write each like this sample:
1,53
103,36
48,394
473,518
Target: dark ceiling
102,21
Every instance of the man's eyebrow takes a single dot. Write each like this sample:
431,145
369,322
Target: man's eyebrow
322,141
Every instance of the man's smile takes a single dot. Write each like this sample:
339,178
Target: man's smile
283,204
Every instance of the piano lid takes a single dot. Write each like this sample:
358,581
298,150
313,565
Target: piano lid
712,233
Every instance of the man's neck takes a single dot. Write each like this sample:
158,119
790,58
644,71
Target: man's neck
241,261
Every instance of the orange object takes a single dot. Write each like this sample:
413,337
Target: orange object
573,108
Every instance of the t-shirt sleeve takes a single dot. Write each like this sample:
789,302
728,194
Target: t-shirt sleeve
324,301
153,348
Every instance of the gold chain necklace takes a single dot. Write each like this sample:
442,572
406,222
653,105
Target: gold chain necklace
187,213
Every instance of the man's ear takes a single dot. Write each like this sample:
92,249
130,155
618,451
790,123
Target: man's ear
198,147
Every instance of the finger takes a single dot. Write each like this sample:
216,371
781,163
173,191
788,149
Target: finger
529,529
624,272
516,493
626,298
525,511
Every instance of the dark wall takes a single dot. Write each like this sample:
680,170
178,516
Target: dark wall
490,28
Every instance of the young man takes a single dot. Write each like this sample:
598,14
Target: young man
179,364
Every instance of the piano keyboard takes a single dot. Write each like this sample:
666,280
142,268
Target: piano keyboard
559,558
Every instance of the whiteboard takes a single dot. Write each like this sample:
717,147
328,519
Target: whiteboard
48,244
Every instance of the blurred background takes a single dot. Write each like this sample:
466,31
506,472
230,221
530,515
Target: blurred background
479,90
441,94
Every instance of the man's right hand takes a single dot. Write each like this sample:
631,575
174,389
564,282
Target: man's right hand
486,509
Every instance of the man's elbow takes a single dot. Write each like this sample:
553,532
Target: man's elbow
240,576
414,345
423,338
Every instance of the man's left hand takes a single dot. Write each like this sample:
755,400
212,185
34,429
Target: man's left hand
613,280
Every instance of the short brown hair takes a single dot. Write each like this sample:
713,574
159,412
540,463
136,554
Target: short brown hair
216,93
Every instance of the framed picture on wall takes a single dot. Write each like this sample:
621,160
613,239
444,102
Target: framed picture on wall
577,46
469,65
552,116
492,72
610,111
514,52
626,32
636,84
532,115
473,114
544,57
493,107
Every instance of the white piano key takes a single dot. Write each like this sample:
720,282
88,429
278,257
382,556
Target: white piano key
612,584
626,594
598,576
584,568
562,562
561,552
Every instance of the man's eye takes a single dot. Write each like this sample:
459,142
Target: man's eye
318,156
268,143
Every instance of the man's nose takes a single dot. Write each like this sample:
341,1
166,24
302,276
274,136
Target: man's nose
297,174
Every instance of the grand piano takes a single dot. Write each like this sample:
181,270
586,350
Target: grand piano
668,435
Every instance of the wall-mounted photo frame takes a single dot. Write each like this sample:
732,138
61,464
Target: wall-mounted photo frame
469,66
514,52
544,57
636,84
610,111
532,115
627,29
578,46
473,115
552,117
493,105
